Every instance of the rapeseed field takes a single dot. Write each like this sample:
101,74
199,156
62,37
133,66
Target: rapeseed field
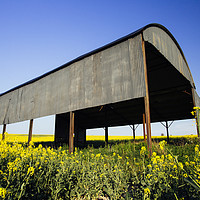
118,171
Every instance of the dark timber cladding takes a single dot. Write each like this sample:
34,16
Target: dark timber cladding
142,75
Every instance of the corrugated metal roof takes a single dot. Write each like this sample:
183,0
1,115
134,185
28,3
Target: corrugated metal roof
131,35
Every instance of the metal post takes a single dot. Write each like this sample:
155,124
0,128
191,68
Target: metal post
30,131
106,125
197,114
106,135
198,121
144,130
134,132
146,99
167,128
71,132
3,133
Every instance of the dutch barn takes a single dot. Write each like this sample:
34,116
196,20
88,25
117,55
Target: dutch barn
142,77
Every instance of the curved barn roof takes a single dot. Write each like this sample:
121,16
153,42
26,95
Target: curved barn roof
131,35
111,75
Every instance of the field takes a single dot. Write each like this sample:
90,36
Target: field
50,138
122,170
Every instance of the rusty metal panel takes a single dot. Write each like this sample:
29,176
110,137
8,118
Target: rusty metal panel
164,43
112,75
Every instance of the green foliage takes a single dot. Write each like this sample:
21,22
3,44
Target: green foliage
119,171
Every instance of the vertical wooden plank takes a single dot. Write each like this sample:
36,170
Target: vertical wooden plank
3,133
134,132
30,133
146,99
197,115
144,130
106,135
71,133
167,129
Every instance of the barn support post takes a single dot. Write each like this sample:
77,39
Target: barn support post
3,132
106,125
198,121
167,129
30,133
106,135
146,99
197,114
144,130
134,132
71,132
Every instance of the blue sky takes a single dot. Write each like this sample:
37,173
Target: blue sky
39,35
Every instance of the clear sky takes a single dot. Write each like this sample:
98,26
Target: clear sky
39,35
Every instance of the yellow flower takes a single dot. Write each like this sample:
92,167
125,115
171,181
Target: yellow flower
186,163
162,144
147,191
143,150
3,193
30,171
154,154
149,176
196,148
175,167
185,175
149,166
119,157
180,165
127,163
101,175
98,155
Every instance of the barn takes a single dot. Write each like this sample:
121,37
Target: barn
138,79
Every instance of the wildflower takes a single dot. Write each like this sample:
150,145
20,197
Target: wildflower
119,157
114,154
148,176
162,144
149,166
143,150
187,163
175,167
154,154
147,191
127,163
185,175
3,193
196,148
30,171
98,155
180,165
